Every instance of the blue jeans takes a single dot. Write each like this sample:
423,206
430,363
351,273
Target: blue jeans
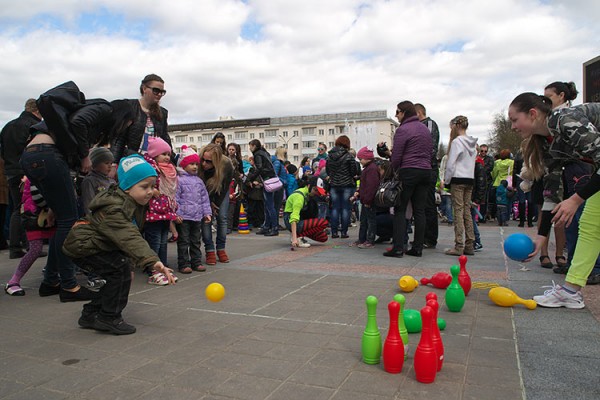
271,216
475,226
278,201
502,214
446,208
368,225
156,234
47,169
221,216
340,208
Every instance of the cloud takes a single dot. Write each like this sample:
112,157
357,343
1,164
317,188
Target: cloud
261,58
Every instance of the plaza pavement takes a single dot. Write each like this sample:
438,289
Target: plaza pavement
290,327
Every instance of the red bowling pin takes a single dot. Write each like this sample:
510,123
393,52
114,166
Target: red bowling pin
436,336
393,347
440,280
425,356
464,280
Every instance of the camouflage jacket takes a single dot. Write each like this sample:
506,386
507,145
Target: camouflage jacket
574,136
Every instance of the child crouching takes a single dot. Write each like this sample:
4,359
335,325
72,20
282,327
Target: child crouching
108,241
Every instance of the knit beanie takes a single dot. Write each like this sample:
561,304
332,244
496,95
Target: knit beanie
157,146
133,169
100,155
365,154
188,156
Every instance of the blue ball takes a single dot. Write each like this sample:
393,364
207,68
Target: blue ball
518,246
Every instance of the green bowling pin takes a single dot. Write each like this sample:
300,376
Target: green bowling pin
371,340
455,295
400,299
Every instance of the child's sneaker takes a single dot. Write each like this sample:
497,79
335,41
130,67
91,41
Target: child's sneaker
303,243
96,283
559,297
199,268
14,289
366,245
222,255
477,247
355,243
211,258
158,278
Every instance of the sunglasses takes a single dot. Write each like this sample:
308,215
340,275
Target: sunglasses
207,161
321,149
157,91
398,112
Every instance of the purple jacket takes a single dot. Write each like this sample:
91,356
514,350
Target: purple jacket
412,144
192,197
369,182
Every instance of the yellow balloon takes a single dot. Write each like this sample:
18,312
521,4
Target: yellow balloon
407,283
215,292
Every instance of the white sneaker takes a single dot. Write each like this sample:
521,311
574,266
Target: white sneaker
303,243
559,297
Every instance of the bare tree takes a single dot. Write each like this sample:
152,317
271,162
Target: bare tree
502,136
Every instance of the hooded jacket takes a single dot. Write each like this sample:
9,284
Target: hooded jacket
114,224
191,197
341,168
502,169
460,165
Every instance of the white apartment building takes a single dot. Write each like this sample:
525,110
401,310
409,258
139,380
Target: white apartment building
299,134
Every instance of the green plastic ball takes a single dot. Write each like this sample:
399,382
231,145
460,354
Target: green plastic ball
412,320
441,324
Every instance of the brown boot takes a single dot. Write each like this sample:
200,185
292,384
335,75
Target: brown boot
453,252
222,256
211,258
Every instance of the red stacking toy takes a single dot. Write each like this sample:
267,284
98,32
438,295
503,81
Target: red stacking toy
426,358
464,280
436,336
393,347
440,280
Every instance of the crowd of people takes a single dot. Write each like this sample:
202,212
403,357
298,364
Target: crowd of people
131,194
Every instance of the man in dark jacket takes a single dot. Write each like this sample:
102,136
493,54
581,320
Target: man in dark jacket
13,140
431,216
488,163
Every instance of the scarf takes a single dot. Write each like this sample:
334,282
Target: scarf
168,179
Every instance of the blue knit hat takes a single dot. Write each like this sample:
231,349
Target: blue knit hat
133,169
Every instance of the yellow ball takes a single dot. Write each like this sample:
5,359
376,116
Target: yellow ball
215,292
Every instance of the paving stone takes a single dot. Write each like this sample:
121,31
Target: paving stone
294,391
247,387
374,383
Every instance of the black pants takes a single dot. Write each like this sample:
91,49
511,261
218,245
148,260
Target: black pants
115,268
189,253
431,215
415,183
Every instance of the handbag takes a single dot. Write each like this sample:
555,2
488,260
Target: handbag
388,193
272,184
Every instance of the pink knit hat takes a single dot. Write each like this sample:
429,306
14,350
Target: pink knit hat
157,146
365,154
188,156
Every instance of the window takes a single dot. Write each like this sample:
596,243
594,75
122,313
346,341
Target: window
180,139
332,131
252,135
261,135
309,144
284,133
331,144
271,133
229,138
308,131
321,132
199,139
270,146
341,128
296,158
207,137
240,135
295,146
295,133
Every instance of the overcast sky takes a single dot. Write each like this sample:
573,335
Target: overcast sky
271,58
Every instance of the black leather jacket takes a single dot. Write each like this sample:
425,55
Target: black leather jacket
341,168
13,140
129,143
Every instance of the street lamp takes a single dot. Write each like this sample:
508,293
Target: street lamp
286,141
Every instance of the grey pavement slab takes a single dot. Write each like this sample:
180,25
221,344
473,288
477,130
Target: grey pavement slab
290,327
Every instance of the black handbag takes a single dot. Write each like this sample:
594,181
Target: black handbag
388,193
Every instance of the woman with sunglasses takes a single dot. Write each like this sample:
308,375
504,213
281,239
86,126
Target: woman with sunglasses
556,138
150,120
216,170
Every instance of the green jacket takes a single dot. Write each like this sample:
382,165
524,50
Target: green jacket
295,203
114,224
502,169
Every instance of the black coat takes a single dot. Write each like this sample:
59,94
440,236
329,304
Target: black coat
341,168
13,139
129,142
263,167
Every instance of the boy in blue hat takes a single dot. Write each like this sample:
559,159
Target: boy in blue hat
108,241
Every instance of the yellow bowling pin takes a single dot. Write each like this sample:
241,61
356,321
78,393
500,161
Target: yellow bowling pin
507,298
407,283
